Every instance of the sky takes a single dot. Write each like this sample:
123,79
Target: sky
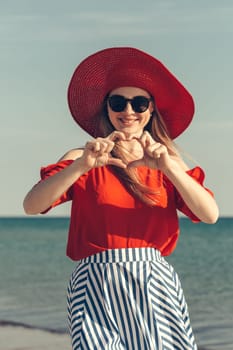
43,41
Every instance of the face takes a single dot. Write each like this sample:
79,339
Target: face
128,120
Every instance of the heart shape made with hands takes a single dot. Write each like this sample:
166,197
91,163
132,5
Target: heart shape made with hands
136,151
130,150
143,151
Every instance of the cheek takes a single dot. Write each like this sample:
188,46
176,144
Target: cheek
111,115
146,117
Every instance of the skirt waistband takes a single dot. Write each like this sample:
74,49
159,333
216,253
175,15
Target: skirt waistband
124,255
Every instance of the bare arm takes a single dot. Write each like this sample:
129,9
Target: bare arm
42,195
199,201
95,154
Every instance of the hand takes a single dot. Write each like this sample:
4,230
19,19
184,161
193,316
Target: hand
155,154
97,153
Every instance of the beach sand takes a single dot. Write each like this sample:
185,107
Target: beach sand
20,338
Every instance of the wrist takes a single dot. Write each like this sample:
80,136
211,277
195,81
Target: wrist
171,169
81,166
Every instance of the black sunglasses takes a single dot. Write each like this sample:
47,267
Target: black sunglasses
139,104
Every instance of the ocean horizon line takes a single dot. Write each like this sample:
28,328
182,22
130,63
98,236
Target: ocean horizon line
40,216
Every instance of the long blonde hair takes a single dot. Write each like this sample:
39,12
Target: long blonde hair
129,176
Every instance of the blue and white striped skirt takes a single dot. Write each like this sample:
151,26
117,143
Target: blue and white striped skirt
128,299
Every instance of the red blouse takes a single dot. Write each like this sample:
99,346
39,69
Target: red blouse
104,215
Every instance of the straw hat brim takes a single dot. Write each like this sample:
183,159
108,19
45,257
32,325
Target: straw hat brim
115,67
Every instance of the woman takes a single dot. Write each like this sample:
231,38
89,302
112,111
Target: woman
126,186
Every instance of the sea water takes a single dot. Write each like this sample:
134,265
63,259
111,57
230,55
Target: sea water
34,272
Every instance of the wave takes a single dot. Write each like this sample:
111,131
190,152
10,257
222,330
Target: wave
6,323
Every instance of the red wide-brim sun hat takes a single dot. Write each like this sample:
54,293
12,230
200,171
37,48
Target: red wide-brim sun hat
115,67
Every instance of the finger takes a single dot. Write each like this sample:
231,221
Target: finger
146,139
116,136
136,163
153,148
106,146
109,146
100,145
158,150
93,146
117,162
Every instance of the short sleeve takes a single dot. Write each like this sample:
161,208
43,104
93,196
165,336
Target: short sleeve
51,170
198,175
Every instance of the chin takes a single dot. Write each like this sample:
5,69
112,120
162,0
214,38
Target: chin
132,133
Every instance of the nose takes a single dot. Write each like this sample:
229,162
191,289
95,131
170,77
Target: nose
128,108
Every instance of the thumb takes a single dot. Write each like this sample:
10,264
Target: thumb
136,163
117,162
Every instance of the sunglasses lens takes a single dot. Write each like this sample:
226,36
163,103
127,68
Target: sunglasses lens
140,104
117,103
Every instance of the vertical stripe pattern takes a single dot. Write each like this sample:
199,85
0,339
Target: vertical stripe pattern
128,299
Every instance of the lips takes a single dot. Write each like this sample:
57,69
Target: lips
128,121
